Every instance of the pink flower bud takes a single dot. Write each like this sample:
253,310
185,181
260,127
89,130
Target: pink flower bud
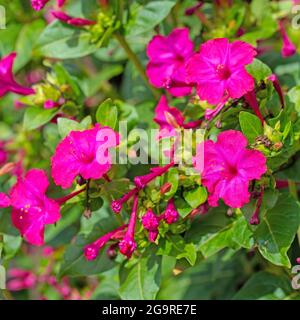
171,214
128,245
38,4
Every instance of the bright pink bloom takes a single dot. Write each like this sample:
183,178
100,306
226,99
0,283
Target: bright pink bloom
38,4
21,279
50,104
288,48
219,70
150,222
31,208
7,81
77,22
168,56
77,155
127,246
61,3
229,167
117,205
171,214
91,251
4,200
48,251
168,118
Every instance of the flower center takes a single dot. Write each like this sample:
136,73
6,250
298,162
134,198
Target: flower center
222,71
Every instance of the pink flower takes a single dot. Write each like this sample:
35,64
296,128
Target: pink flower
91,251
31,208
288,48
21,279
219,70
77,22
50,104
48,251
38,4
150,222
127,246
229,167
171,214
77,155
169,119
7,81
168,55
61,3
4,200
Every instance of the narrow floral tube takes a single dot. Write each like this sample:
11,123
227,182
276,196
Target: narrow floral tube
91,251
128,245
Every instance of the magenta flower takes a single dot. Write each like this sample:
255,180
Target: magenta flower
288,48
38,4
50,104
4,200
168,118
128,245
229,167
77,155
31,208
77,22
150,222
168,56
7,81
21,279
219,70
91,251
61,3
171,214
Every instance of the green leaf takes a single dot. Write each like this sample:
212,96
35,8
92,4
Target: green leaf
215,231
251,126
150,16
277,230
11,245
172,177
75,264
175,246
294,96
261,284
142,280
36,117
259,70
107,114
61,41
196,196
182,207
26,41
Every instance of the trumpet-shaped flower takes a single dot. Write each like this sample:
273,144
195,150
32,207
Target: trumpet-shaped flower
218,70
229,167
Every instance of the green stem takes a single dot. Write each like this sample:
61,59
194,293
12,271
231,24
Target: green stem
134,59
